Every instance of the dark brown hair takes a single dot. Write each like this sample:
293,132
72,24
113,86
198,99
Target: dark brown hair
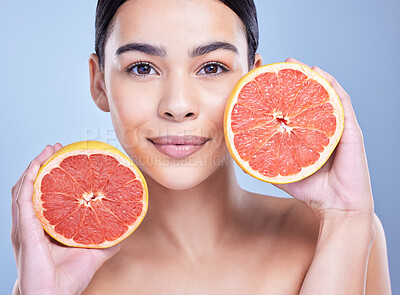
245,9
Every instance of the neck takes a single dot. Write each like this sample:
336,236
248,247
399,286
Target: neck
193,220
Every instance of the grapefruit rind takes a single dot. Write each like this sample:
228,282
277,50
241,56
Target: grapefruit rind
86,148
328,150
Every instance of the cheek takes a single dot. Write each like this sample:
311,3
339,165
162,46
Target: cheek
131,106
213,110
217,96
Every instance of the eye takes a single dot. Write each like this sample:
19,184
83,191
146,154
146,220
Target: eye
212,68
142,68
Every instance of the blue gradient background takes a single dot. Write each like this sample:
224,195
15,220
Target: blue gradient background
45,87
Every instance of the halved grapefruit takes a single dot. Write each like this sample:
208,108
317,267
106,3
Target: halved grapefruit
282,122
89,194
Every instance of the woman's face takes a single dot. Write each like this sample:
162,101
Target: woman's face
169,68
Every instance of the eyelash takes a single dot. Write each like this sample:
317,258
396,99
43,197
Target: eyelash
129,69
215,63
141,63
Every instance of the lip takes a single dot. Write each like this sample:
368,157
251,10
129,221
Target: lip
178,146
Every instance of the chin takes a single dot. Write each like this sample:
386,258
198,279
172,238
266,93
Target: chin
182,175
179,173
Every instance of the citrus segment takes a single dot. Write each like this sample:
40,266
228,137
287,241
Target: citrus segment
318,117
89,231
125,211
248,142
251,97
58,207
309,95
282,122
245,118
131,192
290,83
111,225
120,177
269,85
68,227
59,180
78,167
89,194
265,159
314,139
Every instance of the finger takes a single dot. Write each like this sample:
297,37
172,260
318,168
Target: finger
290,59
17,187
338,88
58,146
351,128
15,191
29,227
344,97
91,259
101,255
14,211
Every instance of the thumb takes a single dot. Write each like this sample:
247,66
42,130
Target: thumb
95,258
99,256
107,253
83,263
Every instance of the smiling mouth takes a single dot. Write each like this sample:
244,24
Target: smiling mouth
178,146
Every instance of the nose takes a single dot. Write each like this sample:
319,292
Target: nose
179,101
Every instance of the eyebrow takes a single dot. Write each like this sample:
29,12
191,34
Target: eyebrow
142,47
160,51
207,48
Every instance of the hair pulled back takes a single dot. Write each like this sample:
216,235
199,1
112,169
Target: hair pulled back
245,9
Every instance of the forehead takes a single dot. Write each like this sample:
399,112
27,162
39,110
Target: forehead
177,23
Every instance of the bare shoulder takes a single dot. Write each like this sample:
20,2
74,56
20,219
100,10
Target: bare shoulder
291,215
289,234
297,230
290,219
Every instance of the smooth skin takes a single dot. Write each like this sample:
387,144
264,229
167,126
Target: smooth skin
203,234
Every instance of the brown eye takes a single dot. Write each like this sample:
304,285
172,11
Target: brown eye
142,69
212,68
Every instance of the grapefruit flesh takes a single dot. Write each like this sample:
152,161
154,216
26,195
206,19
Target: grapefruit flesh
90,195
282,122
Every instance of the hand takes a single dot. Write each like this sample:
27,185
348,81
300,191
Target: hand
45,266
342,186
